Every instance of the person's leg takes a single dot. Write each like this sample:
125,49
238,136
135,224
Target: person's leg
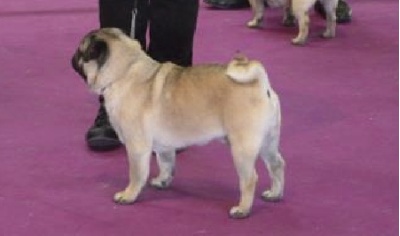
115,13
172,28
118,14
101,136
142,21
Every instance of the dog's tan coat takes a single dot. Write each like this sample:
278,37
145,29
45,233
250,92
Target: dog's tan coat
161,106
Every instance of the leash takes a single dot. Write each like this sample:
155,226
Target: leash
133,21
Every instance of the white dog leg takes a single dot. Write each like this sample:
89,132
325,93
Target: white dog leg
257,7
300,10
303,21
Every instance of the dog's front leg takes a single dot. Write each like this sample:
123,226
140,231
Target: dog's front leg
300,11
257,7
139,153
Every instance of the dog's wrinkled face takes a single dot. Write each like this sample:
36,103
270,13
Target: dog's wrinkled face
91,55
101,53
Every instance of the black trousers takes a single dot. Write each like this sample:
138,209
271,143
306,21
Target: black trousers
170,25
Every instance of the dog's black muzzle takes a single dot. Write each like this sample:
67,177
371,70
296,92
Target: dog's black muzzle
75,64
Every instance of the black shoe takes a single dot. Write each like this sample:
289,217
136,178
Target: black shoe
343,11
228,4
101,136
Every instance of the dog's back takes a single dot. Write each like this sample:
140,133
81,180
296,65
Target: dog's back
203,102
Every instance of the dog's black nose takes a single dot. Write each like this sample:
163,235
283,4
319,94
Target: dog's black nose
76,66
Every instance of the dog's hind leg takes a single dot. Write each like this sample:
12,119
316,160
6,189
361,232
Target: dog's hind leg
245,151
166,164
330,9
275,165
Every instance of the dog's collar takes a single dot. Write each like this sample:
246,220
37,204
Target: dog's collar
103,90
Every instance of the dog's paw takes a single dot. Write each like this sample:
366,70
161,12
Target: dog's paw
269,196
237,212
124,198
298,41
327,34
159,183
255,23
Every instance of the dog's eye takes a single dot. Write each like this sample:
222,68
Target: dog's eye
95,50
90,54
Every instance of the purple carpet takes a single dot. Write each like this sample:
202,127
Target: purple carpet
340,131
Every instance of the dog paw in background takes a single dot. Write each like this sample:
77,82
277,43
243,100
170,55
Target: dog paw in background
334,11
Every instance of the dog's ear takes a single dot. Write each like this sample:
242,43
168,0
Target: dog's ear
96,50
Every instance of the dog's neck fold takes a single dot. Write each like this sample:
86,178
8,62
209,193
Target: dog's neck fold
129,71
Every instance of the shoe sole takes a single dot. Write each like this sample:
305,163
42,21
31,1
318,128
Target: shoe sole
103,144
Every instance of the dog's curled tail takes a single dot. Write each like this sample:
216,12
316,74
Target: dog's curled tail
243,70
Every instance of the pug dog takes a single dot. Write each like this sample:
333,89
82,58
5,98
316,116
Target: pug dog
160,107
299,10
